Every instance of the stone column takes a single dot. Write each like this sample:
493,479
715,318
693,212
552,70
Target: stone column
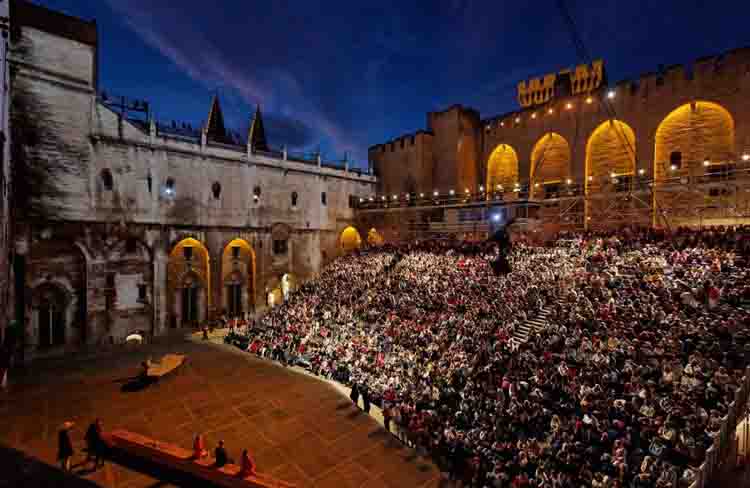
217,283
159,292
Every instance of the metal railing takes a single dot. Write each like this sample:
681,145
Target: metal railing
590,187
717,454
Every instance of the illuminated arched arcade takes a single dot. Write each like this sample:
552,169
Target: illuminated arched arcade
550,161
610,150
238,277
502,168
189,282
691,134
350,239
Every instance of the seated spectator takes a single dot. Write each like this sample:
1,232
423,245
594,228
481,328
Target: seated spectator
247,465
220,455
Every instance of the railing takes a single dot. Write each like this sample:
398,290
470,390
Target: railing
725,439
618,184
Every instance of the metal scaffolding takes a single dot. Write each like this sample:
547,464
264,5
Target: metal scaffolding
696,195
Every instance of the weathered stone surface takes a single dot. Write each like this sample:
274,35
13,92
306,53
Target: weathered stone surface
113,259
701,111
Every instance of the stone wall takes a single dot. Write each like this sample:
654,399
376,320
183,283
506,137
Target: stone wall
684,102
404,164
132,198
5,184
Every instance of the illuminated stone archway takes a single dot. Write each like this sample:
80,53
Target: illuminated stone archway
610,150
238,277
550,162
502,169
189,280
691,134
374,238
350,239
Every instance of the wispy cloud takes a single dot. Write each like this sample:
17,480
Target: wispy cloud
289,109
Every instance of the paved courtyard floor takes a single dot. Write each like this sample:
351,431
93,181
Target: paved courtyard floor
299,428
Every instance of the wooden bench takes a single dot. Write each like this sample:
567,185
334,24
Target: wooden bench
179,459
168,363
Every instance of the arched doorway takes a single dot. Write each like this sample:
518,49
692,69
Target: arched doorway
610,151
189,279
192,296
50,314
502,169
234,294
56,277
238,277
350,239
550,163
374,238
691,134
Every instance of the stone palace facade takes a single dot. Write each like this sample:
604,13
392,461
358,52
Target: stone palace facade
152,226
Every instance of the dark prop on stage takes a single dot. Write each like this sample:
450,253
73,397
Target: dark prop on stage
501,265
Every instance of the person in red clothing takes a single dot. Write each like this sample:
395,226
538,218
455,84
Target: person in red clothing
247,465
199,447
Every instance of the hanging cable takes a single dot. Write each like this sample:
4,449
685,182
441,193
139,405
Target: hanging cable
611,113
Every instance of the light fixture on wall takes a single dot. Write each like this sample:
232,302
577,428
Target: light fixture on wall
421,195
589,100
746,157
435,193
611,94
706,162
452,192
673,167
568,105
569,181
642,171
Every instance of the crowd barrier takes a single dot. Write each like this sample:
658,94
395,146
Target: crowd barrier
725,440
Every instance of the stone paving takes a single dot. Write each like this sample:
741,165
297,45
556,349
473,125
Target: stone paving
299,428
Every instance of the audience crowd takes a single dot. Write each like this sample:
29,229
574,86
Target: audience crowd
647,336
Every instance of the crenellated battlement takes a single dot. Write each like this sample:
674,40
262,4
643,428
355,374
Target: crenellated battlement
402,142
583,78
704,71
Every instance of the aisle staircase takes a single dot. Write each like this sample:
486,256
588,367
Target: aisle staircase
535,324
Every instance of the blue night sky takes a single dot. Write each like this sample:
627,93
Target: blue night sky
344,75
